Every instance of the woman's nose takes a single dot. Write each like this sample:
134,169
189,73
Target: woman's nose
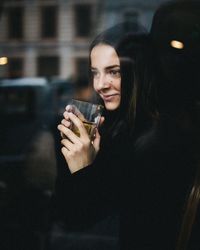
103,81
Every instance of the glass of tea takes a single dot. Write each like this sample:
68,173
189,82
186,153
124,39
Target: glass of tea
89,113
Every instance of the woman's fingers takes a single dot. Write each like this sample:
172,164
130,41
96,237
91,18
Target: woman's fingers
66,116
96,141
66,132
66,123
67,144
73,109
79,124
70,118
102,119
65,129
69,108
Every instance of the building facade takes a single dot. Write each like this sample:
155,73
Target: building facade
51,37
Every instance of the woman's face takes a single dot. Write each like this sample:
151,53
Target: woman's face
105,69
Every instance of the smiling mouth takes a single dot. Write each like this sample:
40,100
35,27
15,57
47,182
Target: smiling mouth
109,97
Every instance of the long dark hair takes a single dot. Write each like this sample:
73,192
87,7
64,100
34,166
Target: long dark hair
129,42
179,87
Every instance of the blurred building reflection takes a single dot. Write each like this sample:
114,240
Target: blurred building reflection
50,38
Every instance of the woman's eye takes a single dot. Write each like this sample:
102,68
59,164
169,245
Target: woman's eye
115,73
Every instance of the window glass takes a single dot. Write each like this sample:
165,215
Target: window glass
49,22
15,67
15,22
48,66
83,20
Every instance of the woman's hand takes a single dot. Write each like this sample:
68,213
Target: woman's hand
66,121
79,152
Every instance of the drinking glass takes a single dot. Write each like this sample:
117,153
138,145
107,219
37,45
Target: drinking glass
89,113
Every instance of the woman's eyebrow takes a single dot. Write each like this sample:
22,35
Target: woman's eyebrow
108,67
113,66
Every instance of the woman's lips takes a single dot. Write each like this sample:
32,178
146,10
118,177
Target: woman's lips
109,97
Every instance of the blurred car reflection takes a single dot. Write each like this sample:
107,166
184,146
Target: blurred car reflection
27,105
29,108
22,106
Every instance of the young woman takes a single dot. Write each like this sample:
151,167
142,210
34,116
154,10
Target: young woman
113,80
90,182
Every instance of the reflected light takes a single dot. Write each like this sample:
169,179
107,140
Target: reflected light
177,44
3,60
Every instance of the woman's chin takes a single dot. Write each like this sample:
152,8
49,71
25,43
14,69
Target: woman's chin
111,106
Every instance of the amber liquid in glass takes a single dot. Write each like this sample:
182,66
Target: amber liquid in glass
90,127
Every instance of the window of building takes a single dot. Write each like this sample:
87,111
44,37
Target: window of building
83,20
49,22
81,65
15,67
15,23
48,66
